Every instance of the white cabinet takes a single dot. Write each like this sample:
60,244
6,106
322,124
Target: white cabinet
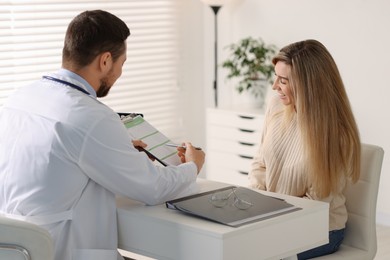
232,138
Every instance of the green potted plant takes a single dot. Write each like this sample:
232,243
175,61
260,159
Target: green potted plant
250,62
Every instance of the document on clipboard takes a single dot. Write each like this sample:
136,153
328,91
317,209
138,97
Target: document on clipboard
139,129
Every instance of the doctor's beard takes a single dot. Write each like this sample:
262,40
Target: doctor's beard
103,89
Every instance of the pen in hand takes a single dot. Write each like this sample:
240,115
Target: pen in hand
180,146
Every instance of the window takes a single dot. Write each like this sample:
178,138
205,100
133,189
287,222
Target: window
31,41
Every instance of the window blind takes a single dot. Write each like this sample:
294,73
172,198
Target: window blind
31,41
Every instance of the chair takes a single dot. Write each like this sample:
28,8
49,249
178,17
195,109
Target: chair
21,240
360,241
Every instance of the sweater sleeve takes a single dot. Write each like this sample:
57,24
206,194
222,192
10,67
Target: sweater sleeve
257,176
257,173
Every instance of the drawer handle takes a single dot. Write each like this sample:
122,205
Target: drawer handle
246,117
247,144
242,172
245,156
246,130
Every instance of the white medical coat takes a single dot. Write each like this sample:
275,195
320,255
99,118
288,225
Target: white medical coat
64,156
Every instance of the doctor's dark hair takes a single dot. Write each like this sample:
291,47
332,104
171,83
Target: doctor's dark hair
92,33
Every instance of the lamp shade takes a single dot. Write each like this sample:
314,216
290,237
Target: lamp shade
214,2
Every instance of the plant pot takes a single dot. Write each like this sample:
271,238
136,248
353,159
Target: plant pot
253,97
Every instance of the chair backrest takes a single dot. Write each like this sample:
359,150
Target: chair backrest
24,240
361,202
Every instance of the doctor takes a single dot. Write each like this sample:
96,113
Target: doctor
64,155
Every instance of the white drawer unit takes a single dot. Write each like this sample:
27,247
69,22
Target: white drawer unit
232,138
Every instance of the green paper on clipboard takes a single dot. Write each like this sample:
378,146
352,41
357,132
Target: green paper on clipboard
139,129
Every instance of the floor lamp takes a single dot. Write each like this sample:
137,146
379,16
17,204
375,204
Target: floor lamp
215,6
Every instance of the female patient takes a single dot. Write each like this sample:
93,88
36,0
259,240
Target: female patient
310,144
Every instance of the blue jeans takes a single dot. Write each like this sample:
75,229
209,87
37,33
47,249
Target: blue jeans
335,239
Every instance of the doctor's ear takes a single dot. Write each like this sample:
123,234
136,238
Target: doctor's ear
105,61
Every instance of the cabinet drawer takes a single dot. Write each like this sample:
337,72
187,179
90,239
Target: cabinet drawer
226,175
235,119
233,137
237,162
233,133
233,147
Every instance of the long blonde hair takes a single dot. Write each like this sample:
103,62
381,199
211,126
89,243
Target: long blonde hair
324,115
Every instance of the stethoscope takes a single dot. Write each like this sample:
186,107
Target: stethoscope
66,83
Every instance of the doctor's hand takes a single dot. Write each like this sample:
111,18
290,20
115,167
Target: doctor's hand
138,143
191,154
140,146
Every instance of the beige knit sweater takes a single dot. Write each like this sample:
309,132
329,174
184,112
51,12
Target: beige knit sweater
279,167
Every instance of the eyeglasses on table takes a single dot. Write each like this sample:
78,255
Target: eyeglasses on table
240,199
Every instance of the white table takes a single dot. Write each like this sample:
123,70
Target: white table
162,233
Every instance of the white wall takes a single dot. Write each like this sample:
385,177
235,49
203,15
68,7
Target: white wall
191,72
356,32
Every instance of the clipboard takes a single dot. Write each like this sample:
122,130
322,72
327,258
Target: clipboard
139,129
